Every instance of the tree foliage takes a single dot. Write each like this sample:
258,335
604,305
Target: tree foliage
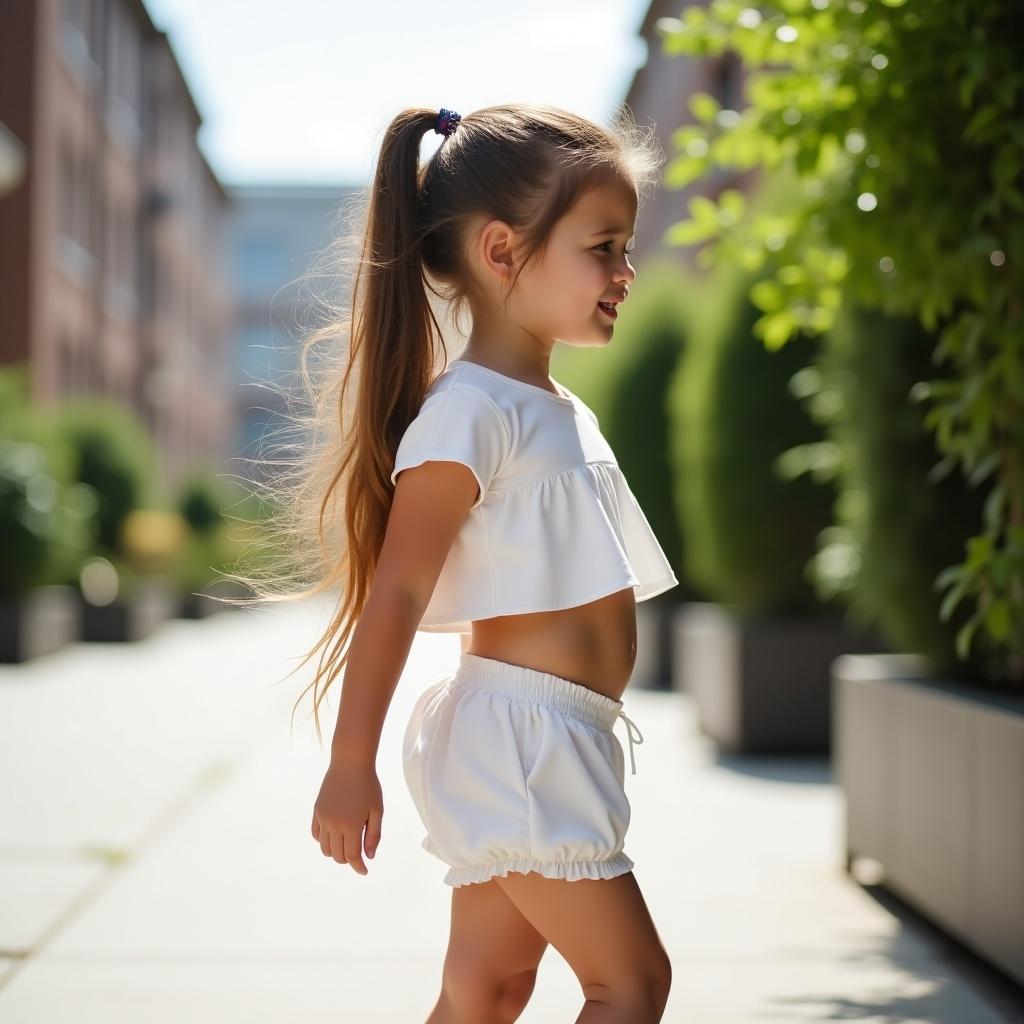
903,122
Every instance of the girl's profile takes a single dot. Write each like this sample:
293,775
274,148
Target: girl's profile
475,494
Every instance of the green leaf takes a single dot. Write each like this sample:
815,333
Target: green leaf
949,575
689,232
732,201
680,172
775,328
965,635
952,599
997,618
983,117
767,296
704,210
704,106
792,274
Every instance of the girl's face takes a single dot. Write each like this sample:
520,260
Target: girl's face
587,262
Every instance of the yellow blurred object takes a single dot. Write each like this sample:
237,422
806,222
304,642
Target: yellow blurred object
151,539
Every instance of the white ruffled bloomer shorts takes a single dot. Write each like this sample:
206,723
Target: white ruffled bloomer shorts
513,769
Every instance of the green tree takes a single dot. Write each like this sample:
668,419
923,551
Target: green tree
903,124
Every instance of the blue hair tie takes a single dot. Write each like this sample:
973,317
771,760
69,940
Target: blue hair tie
447,122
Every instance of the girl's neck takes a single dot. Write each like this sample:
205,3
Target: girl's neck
532,367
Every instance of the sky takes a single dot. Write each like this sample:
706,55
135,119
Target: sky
300,91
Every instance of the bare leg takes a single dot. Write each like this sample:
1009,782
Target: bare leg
603,929
491,965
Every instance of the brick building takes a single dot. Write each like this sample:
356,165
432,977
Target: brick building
112,248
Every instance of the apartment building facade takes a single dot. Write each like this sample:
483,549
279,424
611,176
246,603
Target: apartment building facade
113,263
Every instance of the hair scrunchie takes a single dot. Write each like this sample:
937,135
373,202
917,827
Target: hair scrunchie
447,122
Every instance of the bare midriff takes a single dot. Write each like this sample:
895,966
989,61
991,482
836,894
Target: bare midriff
591,644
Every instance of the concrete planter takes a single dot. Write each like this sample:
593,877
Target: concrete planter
760,684
138,614
652,669
37,622
931,776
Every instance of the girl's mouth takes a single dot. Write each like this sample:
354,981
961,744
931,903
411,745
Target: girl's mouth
608,308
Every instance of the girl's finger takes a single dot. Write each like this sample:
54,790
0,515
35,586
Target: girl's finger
351,842
373,830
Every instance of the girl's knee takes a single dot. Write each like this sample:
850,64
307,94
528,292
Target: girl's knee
641,996
515,994
470,995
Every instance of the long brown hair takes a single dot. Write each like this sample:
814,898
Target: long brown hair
522,163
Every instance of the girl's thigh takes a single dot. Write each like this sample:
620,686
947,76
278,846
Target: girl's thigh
489,937
601,926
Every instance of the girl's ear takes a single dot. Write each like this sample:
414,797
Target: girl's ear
495,248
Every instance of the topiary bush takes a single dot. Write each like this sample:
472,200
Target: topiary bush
749,531
203,498
115,457
218,512
898,523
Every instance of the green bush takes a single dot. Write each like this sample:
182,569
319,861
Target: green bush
203,499
223,515
749,531
115,458
905,122
45,526
207,557
47,520
898,523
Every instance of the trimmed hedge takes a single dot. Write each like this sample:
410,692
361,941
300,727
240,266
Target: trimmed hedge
896,525
749,532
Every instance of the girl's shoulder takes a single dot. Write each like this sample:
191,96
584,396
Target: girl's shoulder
508,393
456,395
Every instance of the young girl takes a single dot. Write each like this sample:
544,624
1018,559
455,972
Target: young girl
508,521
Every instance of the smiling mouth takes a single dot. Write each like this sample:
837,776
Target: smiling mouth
608,308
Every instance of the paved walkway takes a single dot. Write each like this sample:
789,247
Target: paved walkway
156,861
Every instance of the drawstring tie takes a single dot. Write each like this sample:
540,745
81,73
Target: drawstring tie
631,727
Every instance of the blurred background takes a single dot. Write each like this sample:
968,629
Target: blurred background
815,392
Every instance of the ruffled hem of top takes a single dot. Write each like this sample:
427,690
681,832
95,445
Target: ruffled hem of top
570,870
587,537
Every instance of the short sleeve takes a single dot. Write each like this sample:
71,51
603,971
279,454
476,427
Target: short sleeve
458,424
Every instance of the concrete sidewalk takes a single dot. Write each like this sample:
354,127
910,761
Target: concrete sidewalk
157,860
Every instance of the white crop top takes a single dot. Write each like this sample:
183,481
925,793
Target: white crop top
555,524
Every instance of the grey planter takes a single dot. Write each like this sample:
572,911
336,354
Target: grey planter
652,669
38,622
197,606
761,684
931,777
138,614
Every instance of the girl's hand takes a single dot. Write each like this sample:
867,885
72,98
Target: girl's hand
350,798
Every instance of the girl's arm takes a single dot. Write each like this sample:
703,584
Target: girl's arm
430,503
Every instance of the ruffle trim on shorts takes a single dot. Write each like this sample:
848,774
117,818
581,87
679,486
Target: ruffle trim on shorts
571,870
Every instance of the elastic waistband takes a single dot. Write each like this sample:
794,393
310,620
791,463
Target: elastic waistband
479,673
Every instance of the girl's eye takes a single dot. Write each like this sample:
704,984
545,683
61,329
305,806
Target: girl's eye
628,252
